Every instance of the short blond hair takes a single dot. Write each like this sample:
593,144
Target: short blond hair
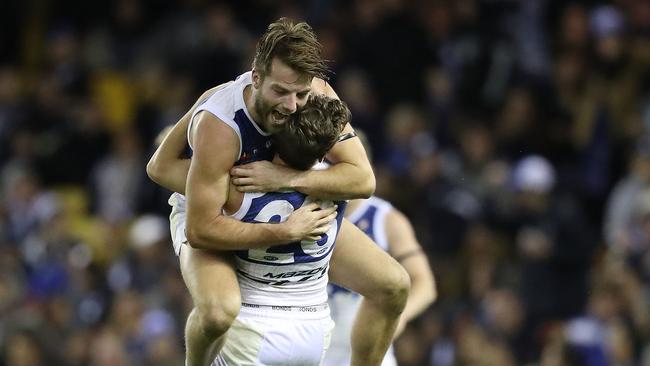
294,44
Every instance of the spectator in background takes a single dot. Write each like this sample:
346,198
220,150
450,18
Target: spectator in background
117,178
606,118
29,207
554,244
355,88
626,226
517,126
23,348
10,107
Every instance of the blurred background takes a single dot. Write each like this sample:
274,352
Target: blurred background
511,132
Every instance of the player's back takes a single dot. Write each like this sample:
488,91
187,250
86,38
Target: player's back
293,274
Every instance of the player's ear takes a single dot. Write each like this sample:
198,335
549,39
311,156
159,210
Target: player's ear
257,79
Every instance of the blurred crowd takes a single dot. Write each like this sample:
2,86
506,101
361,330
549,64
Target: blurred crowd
514,134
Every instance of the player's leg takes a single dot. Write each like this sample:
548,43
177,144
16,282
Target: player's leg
361,266
212,281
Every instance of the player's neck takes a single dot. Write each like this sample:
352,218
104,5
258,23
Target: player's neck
352,206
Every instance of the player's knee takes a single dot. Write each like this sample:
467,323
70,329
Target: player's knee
395,290
216,318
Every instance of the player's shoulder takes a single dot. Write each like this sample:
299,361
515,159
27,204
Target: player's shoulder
205,127
223,98
228,97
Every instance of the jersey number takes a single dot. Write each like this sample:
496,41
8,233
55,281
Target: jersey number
297,252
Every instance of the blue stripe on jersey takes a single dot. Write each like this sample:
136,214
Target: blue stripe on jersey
366,222
255,146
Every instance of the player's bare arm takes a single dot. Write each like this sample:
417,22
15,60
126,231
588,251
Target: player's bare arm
215,150
165,167
405,248
349,177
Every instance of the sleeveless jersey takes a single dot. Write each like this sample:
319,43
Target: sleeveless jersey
370,217
227,104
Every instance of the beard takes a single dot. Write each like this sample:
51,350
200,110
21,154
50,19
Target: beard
266,112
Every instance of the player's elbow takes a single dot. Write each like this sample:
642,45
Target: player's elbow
194,237
366,186
425,287
198,238
154,171
199,235
427,295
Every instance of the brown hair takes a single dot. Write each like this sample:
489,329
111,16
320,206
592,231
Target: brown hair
310,133
295,44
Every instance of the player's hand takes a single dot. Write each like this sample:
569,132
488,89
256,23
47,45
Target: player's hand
310,222
261,176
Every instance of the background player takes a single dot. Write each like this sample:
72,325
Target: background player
393,232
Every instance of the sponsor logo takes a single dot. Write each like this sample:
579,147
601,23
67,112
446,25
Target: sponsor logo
308,272
281,308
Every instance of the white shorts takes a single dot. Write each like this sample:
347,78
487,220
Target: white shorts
177,227
277,335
